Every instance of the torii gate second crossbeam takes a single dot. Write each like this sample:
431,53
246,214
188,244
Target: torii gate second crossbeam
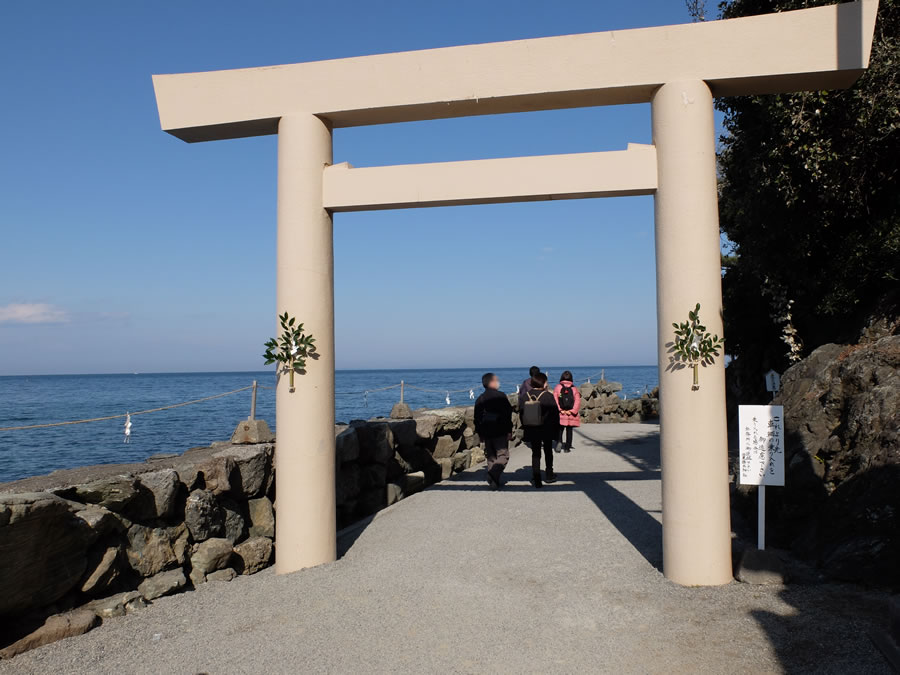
678,69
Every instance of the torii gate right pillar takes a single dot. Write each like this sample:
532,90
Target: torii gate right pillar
693,434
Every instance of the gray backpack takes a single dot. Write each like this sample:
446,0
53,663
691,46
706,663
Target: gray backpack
532,415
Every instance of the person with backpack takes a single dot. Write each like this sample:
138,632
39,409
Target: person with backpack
568,399
540,419
493,424
526,385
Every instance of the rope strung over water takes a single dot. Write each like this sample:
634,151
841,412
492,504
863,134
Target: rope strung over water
123,415
447,393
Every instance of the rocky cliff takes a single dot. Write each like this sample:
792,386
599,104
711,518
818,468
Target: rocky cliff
840,506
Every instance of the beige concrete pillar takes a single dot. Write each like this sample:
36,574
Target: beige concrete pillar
695,503
305,527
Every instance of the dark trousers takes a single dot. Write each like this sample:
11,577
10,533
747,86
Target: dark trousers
567,433
547,444
496,451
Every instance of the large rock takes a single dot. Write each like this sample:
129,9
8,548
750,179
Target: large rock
153,549
203,516
115,493
449,419
376,442
161,490
100,520
346,444
446,446
254,554
404,431
401,411
43,546
70,624
252,466
262,517
117,605
347,482
840,504
235,522
252,432
210,473
103,571
372,476
164,583
427,425
209,556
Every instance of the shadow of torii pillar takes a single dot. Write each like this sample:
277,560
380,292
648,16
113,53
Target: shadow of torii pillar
677,69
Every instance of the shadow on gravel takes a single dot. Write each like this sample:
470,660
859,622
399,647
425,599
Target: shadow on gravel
636,524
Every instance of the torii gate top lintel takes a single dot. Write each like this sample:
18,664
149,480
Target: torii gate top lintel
808,49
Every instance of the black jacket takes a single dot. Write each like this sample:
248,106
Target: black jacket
493,414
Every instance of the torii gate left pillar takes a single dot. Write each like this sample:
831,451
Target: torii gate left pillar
305,477
675,68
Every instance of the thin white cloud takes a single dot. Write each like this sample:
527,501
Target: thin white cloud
34,312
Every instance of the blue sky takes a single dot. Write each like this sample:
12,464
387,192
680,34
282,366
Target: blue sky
124,249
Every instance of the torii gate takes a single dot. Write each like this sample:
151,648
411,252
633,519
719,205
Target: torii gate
678,69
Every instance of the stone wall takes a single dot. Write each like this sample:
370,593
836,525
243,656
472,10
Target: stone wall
82,545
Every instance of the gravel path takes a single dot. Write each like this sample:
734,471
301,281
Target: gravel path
460,579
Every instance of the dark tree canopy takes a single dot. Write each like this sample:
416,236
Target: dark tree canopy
810,203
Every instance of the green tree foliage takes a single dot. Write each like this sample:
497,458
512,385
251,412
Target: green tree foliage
810,203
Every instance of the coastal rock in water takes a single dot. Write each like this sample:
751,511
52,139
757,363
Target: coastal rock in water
103,571
262,517
57,627
163,486
211,555
164,583
212,473
477,457
470,439
252,465
346,444
153,549
43,548
254,554
203,516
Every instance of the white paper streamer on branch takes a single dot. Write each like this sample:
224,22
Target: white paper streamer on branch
448,398
127,427
471,394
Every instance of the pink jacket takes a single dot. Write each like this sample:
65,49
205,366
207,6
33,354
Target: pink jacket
566,420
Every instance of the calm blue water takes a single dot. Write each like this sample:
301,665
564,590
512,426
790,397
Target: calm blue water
55,398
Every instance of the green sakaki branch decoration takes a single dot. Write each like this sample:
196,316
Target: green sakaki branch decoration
693,346
291,349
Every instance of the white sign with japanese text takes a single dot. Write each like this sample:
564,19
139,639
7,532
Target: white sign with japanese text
762,444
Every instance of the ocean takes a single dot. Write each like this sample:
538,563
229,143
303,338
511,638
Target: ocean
41,399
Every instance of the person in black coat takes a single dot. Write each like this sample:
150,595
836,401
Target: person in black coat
493,424
543,434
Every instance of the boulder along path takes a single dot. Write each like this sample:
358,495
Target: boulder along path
462,579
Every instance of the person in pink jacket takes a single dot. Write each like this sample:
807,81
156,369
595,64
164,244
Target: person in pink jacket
568,399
